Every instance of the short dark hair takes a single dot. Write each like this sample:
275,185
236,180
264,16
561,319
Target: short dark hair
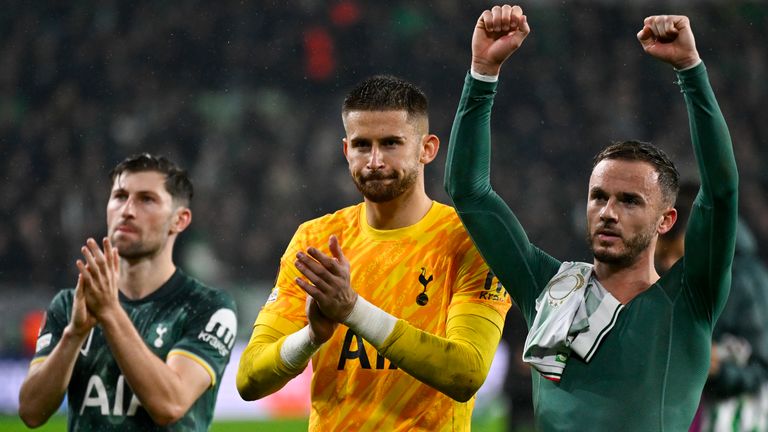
633,150
177,182
386,93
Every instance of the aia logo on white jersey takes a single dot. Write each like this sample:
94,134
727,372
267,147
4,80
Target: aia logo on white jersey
220,331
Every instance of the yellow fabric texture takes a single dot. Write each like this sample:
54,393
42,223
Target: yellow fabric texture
448,342
197,359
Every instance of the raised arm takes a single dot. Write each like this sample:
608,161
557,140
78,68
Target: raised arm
523,269
711,234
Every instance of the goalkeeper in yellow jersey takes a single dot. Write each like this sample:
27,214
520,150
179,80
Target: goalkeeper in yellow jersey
389,298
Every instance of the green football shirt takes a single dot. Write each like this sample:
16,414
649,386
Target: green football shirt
649,371
183,317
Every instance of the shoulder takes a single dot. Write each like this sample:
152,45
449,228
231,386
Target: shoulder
200,294
64,294
340,217
444,218
60,306
320,228
675,276
63,297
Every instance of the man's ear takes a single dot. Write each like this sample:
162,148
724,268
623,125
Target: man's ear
345,147
430,144
181,219
668,219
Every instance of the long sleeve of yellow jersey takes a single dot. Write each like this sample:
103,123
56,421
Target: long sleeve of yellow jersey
262,371
455,365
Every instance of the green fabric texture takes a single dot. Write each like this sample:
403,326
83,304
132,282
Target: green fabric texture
182,314
649,372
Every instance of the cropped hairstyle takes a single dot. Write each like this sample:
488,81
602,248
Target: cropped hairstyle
632,150
386,93
177,183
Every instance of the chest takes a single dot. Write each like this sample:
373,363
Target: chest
408,280
158,325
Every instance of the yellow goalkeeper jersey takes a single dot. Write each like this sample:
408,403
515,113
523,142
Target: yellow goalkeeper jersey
417,273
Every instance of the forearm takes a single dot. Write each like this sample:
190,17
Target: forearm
494,228
711,231
709,135
456,364
159,388
262,370
468,164
47,381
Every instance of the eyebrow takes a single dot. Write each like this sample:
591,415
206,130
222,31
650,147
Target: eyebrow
139,192
625,195
596,189
384,138
621,195
392,138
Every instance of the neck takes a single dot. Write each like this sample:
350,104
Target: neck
142,276
403,211
626,282
668,253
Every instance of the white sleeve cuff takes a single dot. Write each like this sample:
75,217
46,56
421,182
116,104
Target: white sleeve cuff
480,77
370,322
297,349
689,67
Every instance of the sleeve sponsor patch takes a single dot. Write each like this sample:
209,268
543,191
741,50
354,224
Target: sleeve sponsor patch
220,331
43,342
272,296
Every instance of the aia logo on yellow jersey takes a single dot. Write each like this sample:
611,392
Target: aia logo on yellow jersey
354,349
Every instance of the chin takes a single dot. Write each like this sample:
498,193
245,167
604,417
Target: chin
619,259
379,198
119,242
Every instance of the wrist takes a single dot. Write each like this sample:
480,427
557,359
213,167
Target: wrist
485,78
370,322
297,349
76,334
687,64
484,68
109,317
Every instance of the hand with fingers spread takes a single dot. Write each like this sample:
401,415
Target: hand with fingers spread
328,280
498,33
100,272
669,38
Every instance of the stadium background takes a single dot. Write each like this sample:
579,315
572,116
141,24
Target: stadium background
247,96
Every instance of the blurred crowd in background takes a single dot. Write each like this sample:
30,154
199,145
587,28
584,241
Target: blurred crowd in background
247,96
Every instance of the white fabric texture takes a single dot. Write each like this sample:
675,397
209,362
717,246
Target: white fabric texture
574,314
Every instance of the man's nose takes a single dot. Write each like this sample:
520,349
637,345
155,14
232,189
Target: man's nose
376,159
608,212
129,207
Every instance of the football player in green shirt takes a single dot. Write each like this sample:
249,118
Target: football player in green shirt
138,345
633,354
